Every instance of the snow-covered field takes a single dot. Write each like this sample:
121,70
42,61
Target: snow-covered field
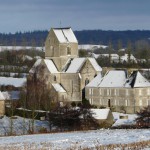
17,82
68,140
76,139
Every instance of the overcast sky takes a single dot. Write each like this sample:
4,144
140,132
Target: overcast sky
29,15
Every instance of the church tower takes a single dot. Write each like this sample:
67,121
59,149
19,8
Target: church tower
61,44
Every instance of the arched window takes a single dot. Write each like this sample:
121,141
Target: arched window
54,78
86,81
68,51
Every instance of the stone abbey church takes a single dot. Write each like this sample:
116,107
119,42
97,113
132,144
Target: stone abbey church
70,78
67,74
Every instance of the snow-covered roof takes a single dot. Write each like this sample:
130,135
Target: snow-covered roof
76,65
114,78
65,35
58,87
95,64
11,95
37,63
51,66
2,96
96,81
17,82
100,113
125,58
137,80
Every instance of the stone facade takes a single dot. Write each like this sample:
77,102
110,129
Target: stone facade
123,99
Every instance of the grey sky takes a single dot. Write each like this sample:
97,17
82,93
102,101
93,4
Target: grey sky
29,15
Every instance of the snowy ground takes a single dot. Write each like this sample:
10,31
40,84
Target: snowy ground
17,82
68,140
18,125
77,139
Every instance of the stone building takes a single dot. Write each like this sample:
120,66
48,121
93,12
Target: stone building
66,74
118,91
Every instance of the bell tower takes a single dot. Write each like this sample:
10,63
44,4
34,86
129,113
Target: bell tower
61,44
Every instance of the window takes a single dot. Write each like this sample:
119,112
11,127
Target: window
115,102
126,102
140,92
100,91
100,101
54,78
90,91
86,81
68,51
127,92
115,92
148,91
108,92
140,102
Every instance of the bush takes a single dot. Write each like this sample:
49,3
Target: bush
143,119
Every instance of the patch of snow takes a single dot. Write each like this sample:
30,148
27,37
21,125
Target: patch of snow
100,113
70,35
18,125
96,81
137,80
125,58
65,35
11,95
91,47
95,64
2,48
51,66
76,65
86,139
58,87
17,82
130,120
37,63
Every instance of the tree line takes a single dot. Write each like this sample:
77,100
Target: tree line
84,37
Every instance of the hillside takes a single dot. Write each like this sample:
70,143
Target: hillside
84,37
